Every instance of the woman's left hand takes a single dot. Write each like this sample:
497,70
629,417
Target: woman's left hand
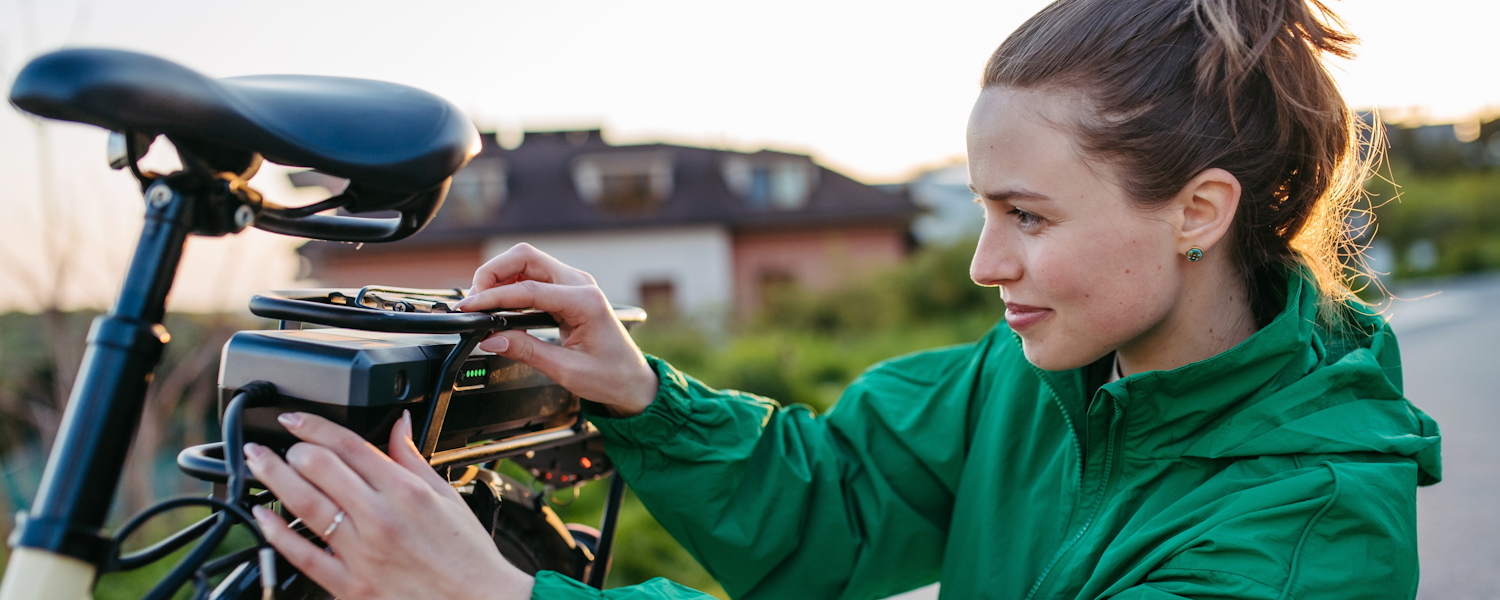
405,533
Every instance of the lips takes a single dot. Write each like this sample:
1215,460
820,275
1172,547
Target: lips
1021,316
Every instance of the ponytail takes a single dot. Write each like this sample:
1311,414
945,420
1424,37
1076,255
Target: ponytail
1241,33
1179,86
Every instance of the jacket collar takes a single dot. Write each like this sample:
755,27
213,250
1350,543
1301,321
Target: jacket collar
1169,411
1277,392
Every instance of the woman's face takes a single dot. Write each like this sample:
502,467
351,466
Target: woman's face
1082,270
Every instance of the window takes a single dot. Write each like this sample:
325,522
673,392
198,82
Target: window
477,191
759,193
659,297
624,182
769,181
628,192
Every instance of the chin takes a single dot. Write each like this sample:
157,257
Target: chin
1050,357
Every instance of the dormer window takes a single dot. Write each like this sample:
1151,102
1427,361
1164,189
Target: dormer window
771,182
624,182
477,191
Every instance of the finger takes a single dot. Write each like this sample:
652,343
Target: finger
311,560
573,304
323,469
294,492
405,453
371,465
552,361
522,262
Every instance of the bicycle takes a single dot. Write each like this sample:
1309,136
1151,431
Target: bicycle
394,349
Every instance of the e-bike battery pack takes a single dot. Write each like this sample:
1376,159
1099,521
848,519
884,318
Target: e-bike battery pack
364,379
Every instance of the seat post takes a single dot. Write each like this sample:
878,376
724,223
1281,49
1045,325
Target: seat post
124,346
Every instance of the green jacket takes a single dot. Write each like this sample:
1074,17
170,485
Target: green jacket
1285,467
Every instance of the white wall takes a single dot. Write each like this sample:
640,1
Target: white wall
697,260
950,214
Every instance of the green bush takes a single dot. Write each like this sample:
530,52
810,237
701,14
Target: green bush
1457,212
802,347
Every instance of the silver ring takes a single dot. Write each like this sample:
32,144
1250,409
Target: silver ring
338,518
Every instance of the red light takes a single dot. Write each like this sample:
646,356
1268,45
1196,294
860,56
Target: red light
549,476
587,464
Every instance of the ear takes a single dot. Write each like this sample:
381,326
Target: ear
1206,207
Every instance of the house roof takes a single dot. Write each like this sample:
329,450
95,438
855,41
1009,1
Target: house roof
540,194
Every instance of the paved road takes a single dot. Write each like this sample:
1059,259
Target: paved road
1450,344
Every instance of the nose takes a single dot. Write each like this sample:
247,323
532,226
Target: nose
997,259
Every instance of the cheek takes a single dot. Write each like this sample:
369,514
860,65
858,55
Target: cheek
1129,269
1108,289
1101,270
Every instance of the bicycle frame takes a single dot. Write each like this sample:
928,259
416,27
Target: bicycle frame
221,128
59,544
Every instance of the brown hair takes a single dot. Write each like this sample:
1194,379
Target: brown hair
1180,86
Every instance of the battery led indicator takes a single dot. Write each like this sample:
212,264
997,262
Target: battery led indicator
473,376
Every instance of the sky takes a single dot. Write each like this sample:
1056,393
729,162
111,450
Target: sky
876,90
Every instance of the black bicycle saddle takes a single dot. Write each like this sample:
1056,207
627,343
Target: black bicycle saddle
374,133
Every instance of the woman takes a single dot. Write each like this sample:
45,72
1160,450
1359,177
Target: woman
1184,400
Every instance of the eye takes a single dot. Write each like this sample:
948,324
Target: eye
1025,219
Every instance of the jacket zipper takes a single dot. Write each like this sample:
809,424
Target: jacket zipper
1109,456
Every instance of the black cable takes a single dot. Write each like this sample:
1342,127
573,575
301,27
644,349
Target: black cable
165,547
234,435
234,458
161,549
222,563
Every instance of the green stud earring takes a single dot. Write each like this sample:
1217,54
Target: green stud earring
1194,254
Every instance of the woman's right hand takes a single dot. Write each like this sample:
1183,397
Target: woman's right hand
597,359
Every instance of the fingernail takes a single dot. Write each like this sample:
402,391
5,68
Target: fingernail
497,344
406,423
461,303
254,451
290,420
260,513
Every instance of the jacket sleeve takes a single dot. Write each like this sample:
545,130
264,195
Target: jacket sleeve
1356,541
778,503
556,586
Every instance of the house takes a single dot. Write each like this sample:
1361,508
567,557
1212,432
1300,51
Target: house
668,227
949,214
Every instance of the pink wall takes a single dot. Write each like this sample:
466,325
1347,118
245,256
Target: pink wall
812,258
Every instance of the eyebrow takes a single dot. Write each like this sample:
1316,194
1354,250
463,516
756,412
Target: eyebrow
1009,195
